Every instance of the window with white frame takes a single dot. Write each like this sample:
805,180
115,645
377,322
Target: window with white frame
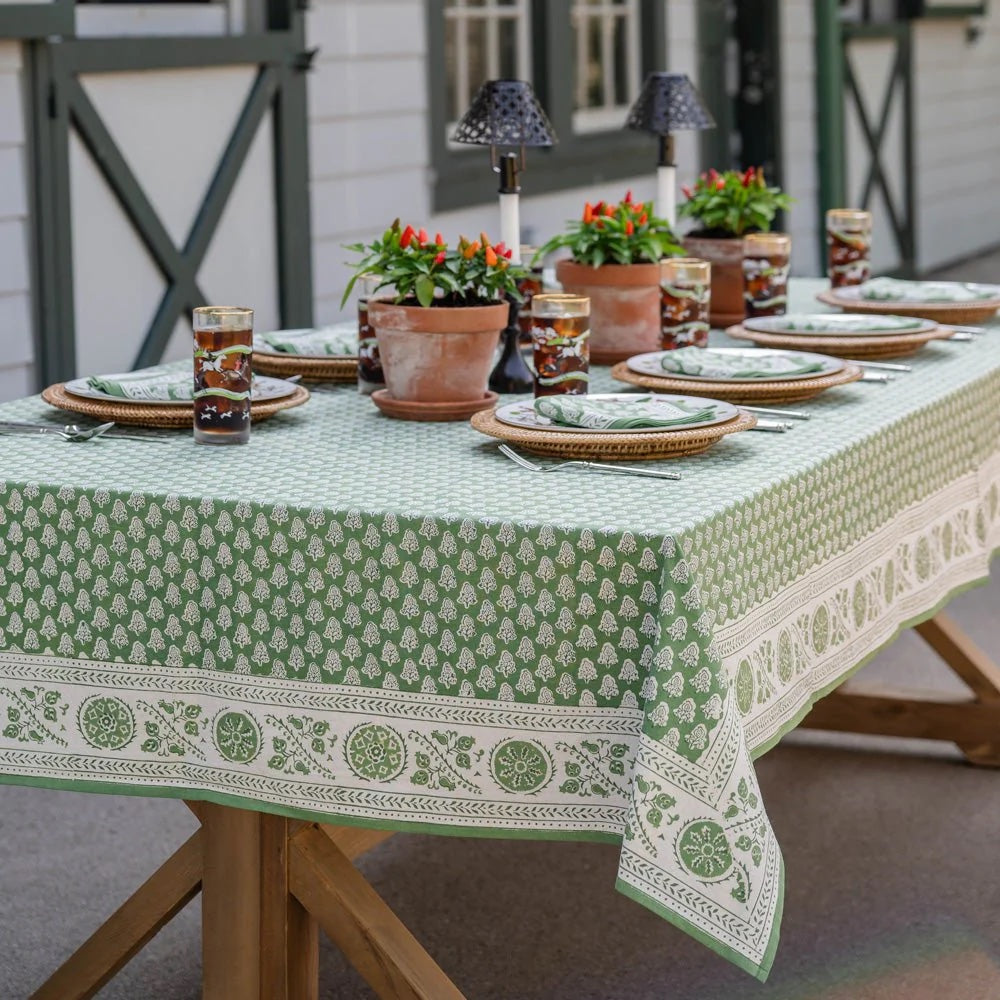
607,62
483,40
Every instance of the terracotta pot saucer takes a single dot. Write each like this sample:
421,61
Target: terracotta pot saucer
408,409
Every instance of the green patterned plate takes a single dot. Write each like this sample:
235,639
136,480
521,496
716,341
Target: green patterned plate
650,364
522,413
835,325
264,387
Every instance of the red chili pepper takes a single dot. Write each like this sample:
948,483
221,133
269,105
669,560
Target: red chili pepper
508,254
491,257
628,196
439,239
747,177
599,224
713,175
720,184
629,227
439,259
598,208
643,219
588,212
408,233
422,237
501,248
686,190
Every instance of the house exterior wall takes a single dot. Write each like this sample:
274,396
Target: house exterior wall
369,134
16,343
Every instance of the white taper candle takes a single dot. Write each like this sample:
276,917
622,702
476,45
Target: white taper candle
666,194
510,224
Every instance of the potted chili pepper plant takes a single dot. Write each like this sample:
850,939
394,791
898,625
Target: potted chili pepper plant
726,206
614,259
438,335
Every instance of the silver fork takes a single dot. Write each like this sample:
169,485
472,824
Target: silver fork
619,470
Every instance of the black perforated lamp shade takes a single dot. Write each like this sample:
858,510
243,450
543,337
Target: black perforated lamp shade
669,102
505,113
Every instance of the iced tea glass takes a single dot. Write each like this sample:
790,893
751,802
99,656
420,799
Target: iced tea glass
765,274
370,375
685,296
223,343
529,287
849,246
560,336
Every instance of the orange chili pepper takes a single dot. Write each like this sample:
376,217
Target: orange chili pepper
610,210
643,219
588,212
491,257
471,250
629,228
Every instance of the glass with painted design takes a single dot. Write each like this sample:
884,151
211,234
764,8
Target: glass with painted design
765,274
560,337
849,246
370,374
529,287
223,338
685,298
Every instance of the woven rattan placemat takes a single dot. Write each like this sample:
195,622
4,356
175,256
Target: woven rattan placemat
758,391
876,346
311,368
611,447
938,312
154,415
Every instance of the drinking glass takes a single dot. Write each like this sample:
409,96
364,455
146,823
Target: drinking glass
560,336
849,246
370,374
685,297
765,274
223,344
529,287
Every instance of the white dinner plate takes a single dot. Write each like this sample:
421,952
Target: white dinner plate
263,388
838,325
522,413
649,364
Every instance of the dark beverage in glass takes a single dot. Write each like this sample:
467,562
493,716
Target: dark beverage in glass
223,344
529,287
685,298
560,343
849,246
370,374
765,274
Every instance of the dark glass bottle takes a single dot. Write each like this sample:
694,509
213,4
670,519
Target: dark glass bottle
511,374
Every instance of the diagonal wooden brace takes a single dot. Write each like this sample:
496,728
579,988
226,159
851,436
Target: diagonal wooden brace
972,723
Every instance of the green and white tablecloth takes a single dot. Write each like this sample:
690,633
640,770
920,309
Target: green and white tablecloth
390,624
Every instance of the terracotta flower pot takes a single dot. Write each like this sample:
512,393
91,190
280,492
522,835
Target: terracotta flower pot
624,307
726,256
439,354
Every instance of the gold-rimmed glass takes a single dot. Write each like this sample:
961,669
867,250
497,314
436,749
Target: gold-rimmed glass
223,345
849,246
766,258
685,300
560,336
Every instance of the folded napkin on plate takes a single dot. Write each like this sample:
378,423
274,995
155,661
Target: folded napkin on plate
619,414
170,381
340,340
714,364
897,290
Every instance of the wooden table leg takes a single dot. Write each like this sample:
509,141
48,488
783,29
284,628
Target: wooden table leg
230,903
359,922
289,936
130,927
972,723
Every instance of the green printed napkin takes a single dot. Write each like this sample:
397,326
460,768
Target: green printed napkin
161,382
715,364
620,414
341,339
897,290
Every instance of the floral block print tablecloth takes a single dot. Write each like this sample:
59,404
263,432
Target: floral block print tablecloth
388,623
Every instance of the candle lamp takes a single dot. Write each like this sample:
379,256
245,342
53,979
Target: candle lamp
506,116
668,103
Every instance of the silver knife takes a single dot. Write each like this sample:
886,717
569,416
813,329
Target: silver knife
13,427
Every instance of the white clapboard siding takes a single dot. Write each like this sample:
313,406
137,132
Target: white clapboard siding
957,138
369,135
798,112
16,345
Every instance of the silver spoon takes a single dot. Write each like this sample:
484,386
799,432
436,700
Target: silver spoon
620,470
